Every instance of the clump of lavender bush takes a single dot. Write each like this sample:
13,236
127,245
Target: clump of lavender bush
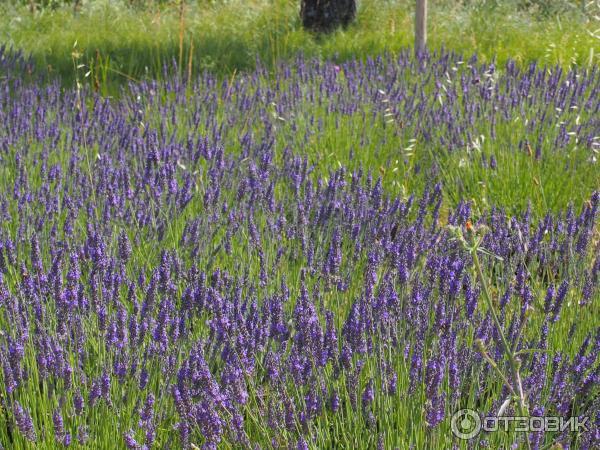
182,267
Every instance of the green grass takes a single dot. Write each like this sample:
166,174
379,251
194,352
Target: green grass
118,42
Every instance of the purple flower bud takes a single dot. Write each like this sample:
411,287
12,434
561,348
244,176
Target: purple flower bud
105,385
59,428
560,297
392,384
302,445
95,393
78,403
146,413
368,394
24,422
130,441
548,299
82,434
334,402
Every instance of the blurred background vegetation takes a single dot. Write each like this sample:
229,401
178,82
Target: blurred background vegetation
104,42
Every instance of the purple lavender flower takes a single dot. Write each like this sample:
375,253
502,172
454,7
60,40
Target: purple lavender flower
560,297
368,394
24,422
59,429
302,445
334,401
78,403
130,441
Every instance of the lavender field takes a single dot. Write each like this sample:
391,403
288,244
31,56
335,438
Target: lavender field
316,257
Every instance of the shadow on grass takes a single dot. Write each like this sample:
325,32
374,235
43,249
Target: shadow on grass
107,68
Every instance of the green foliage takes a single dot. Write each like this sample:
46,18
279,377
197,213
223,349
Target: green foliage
126,40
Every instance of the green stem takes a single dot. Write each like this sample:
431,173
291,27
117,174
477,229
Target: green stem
512,359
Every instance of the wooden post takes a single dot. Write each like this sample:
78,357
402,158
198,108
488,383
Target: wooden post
420,26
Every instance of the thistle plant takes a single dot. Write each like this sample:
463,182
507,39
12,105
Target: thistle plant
472,243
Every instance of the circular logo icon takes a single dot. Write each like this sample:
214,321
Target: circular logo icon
466,424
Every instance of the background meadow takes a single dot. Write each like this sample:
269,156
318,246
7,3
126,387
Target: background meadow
120,40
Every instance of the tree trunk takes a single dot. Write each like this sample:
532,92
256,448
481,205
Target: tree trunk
326,15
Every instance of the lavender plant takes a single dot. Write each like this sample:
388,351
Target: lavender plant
261,262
